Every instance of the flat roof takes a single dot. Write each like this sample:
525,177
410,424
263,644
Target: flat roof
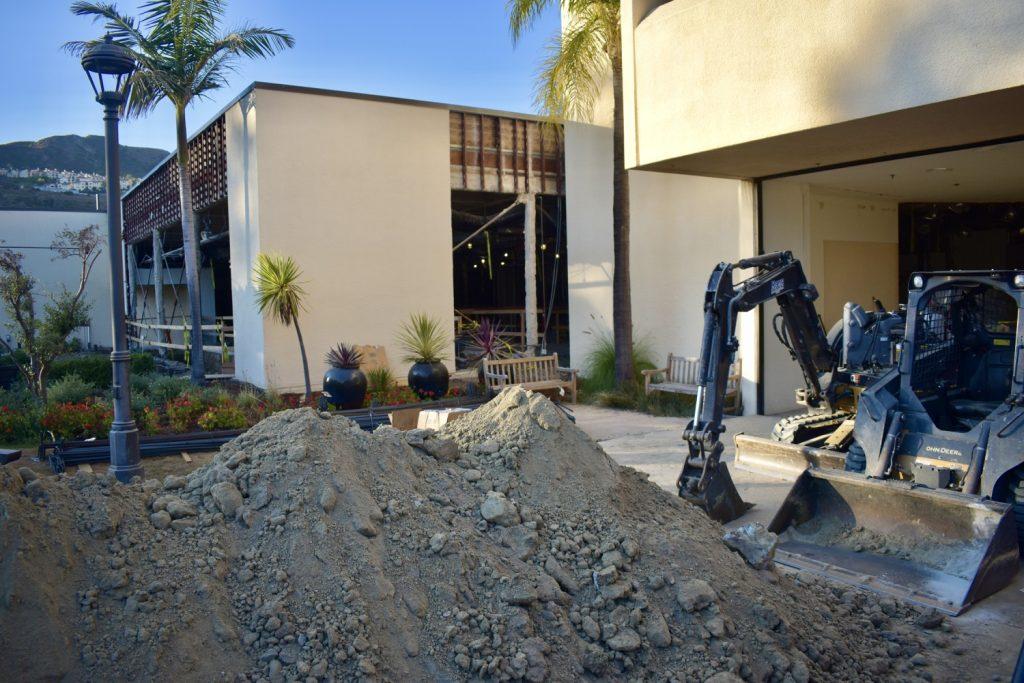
325,92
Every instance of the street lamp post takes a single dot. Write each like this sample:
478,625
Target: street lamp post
109,67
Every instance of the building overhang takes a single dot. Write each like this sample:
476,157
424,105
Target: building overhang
990,117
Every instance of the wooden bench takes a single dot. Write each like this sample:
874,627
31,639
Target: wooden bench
681,378
537,373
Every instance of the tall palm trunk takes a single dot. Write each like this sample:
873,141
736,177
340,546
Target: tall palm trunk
305,363
622,308
190,243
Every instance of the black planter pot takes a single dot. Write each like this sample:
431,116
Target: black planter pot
429,380
345,388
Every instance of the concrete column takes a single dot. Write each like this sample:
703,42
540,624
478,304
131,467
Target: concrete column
529,202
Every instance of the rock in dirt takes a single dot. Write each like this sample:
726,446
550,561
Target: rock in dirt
695,594
227,497
754,542
497,509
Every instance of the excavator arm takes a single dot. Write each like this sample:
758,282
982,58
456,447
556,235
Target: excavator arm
704,479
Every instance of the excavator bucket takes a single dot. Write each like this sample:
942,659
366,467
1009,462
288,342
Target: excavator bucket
719,498
937,548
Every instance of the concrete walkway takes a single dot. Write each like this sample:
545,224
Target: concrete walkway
654,445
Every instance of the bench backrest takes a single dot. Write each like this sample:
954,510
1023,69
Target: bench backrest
686,370
521,370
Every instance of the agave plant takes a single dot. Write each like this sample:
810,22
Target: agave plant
345,357
423,339
488,341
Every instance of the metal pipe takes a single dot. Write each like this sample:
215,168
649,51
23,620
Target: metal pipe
125,461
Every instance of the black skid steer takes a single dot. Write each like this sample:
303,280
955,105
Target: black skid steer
924,498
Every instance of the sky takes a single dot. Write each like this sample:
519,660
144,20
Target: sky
452,51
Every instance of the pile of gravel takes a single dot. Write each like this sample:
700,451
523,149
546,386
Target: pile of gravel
507,546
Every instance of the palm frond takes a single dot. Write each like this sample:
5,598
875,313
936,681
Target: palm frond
522,14
279,293
570,76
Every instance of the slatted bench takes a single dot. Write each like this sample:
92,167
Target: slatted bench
537,373
680,377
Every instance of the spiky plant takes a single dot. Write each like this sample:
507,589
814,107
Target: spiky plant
183,55
488,341
344,357
379,382
279,294
423,339
588,48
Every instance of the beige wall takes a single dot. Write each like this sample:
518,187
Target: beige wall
357,191
37,229
703,75
670,264
806,219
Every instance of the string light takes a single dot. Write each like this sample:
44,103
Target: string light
505,254
483,260
469,245
558,255
543,247
502,263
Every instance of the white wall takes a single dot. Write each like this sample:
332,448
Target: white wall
702,75
358,193
681,227
37,229
800,218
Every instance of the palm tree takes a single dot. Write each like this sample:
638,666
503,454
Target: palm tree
279,294
570,79
182,56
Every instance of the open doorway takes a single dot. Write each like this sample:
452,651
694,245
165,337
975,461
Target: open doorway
492,269
862,229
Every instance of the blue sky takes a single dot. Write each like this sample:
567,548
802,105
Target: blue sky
455,51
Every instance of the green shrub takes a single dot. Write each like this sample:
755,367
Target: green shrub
252,404
379,382
95,368
18,426
69,389
164,388
19,399
224,415
142,385
599,363
19,357
183,413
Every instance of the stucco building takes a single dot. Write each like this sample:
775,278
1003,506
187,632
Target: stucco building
390,207
869,137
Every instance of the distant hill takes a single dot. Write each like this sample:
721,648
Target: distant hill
77,153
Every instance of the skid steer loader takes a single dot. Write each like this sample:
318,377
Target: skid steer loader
927,499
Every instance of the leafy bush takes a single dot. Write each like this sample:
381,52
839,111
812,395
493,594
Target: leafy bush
599,363
164,388
95,368
224,415
17,425
142,385
19,399
148,419
183,412
69,389
78,420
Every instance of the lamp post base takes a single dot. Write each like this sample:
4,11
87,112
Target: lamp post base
125,463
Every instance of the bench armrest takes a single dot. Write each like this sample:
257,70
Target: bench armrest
651,373
496,375
569,371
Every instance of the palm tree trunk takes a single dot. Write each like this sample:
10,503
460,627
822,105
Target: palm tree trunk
190,242
622,308
305,363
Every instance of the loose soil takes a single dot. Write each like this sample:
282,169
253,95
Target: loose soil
508,546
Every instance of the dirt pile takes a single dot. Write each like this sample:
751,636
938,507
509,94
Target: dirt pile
509,546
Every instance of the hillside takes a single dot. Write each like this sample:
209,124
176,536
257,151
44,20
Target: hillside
76,153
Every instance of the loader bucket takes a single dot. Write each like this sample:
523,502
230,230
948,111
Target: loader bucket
936,548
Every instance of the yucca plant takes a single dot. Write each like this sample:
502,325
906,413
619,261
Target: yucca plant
379,382
423,339
344,357
279,294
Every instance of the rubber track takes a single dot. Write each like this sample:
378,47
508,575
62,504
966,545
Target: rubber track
800,428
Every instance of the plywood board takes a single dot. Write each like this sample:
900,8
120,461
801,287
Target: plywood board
857,271
374,357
